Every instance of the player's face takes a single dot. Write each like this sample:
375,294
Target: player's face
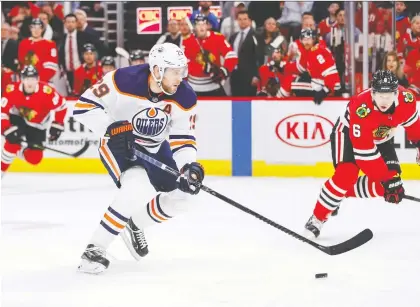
391,64
29,84
201,29
308,42
384,100
89,57
172,77
36,31
137,62
107,68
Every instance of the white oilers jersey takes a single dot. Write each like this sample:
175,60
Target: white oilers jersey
124,95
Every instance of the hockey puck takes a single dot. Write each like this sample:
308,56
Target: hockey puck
321,275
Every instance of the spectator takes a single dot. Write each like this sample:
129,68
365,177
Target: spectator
185,28
267,36
58,9
88,73
391,63
48,31
97,10
412,69
411,39
204,9
244,79
39,52
228,27
402,20
336,36
9,48
14,33
25,17
55,22
173,35
260,11
326,24
380,43
291,17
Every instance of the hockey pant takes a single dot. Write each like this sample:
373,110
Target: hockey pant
137,198
30,155
346,181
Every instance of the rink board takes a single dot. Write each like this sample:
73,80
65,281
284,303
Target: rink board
239,137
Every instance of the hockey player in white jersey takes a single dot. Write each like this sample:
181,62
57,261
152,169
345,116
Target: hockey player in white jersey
142,106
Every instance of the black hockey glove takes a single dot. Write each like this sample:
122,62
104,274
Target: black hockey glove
120,139
394,190
192,175
55,131
319,96
13,135
220,75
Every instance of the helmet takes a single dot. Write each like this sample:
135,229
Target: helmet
29,71
108,60
308,32
89,48
200,17
137,55
37,22
164,56
384,81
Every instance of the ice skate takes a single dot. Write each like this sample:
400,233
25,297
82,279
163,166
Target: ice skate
93,260
135,240
313,227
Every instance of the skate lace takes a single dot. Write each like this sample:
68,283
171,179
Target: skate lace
96,251
140,238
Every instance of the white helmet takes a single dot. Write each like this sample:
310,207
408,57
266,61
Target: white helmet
164,56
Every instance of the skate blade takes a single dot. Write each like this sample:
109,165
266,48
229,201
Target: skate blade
309,234
130,247
91,267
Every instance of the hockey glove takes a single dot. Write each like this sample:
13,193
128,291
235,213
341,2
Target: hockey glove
192,175
394,190
120,138
55,131
13,135
221,75
319,96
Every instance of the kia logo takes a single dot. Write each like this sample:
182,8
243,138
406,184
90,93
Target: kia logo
304,130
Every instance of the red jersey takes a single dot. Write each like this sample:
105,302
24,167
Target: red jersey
408,42
325,26
85,77
412,69
401,25
58,10
217,47
265,73
35,108
7,76
42,54
369,127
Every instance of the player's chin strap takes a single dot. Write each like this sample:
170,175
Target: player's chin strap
159,81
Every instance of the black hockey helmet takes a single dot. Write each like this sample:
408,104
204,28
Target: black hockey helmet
384,81
89,48
29,71
108,60
200,17
137,55
308,32
37,22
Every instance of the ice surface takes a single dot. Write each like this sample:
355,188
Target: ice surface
213,255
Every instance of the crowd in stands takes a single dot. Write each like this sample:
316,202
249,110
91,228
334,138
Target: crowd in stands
270,50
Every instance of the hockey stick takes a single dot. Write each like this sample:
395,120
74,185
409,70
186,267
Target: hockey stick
74,155
358,240
412,198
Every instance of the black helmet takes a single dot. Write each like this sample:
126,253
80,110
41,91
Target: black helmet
200,17
108,60
384,81
137,55
89,48
29,71
308,32
37,22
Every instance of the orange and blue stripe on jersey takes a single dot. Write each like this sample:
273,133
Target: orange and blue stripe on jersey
109,161
84,105
113,221
178,142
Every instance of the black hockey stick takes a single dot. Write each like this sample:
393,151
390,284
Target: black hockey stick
340,248
412,198
74,155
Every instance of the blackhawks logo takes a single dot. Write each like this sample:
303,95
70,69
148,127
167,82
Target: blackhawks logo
206,57
27,113
408,97
362,111
382,132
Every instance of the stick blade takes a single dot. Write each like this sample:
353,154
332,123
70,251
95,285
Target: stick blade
355,242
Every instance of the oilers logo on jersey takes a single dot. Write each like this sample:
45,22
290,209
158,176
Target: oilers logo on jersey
150,122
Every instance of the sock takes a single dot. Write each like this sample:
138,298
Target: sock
6,159
329,199
366,188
